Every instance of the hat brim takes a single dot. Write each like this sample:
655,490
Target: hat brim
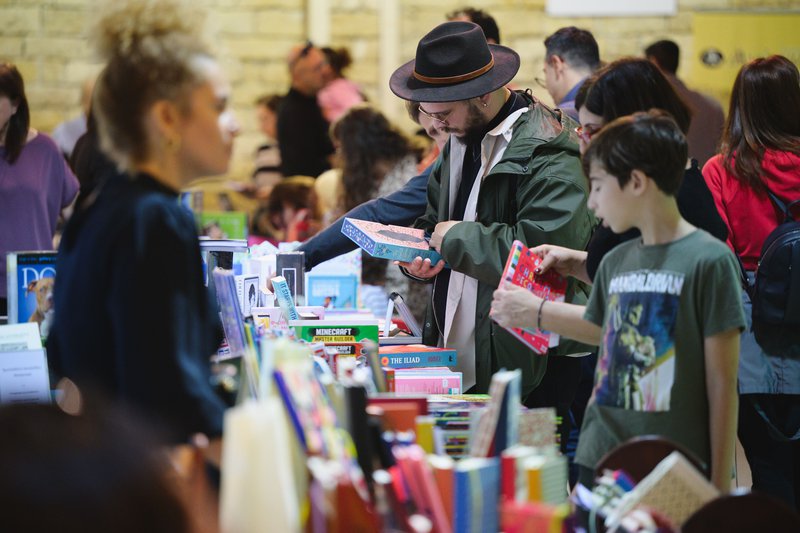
406,86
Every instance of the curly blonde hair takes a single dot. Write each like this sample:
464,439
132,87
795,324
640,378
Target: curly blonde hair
151,49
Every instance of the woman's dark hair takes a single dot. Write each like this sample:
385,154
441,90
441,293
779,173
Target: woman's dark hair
369,147
647,141
13,87
338,59
764,114
629,85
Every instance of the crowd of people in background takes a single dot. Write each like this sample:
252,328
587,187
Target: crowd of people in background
490,164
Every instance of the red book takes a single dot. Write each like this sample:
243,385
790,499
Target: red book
520,270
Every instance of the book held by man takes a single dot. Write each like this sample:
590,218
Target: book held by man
384,241
520,270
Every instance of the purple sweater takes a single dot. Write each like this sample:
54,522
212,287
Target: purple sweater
32,193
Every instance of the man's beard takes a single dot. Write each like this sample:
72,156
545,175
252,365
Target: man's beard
474,130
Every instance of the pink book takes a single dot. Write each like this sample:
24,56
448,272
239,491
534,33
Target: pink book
520,270
432,381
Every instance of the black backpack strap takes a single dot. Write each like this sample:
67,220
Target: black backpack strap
786,210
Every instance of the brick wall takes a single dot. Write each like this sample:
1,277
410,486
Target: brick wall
48,41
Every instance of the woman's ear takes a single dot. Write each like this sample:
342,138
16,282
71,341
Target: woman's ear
165,118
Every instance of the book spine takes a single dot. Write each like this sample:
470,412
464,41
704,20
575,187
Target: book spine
12,284
358,237
284,297
403,253
419,359
429,385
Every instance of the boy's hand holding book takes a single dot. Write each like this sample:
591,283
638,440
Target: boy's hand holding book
565,261
515,307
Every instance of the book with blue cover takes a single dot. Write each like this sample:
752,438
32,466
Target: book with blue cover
476,494
385,241
416,356
29,283
332,291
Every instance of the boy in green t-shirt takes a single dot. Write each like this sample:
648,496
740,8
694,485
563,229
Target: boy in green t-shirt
665,309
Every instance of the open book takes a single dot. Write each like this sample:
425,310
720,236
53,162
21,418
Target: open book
520,270
389,242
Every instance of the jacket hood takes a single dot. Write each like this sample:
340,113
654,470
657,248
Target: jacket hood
548,128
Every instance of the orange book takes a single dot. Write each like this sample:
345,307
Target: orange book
442,466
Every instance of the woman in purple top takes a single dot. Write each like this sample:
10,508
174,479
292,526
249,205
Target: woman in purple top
35,181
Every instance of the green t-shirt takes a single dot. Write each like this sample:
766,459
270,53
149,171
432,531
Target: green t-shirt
656,305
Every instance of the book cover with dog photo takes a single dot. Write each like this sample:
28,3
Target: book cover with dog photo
30,280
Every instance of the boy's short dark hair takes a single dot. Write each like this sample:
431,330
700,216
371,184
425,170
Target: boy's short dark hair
648,141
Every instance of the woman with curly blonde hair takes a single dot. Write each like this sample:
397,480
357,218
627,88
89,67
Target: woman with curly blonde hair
133,319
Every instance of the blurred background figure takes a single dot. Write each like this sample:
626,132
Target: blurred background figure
268,155
339,93
290,213
571,56
133,317
376,160
36,184
479,17
306,149
84,473
707,116
67,133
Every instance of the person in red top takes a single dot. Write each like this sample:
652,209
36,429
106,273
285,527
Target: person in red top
761,150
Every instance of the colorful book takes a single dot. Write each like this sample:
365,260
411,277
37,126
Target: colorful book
476,489
332,291
498,425
230,311
435,380
345,337
30,279
513,485
416,356
521,270
384,241
538,427
222,224
284,297
547,478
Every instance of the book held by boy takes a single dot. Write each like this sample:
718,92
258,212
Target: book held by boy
384,241
520,270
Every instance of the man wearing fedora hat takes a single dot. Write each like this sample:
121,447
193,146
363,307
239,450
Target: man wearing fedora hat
511,170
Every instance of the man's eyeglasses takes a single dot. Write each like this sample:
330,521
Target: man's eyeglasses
540,82
585,134
438,117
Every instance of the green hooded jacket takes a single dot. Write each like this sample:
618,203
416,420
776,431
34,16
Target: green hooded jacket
537,194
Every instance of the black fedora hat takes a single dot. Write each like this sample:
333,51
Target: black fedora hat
453,63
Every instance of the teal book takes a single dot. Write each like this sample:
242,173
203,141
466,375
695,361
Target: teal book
384,241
